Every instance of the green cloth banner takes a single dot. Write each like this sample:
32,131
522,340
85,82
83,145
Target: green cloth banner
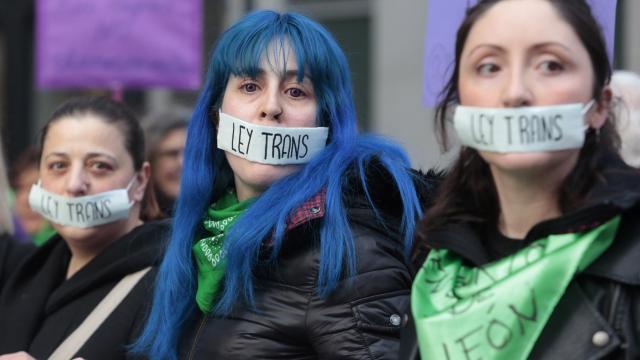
497,311
209,251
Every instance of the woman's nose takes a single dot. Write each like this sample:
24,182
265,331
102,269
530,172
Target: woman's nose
77,183
271,107
516,91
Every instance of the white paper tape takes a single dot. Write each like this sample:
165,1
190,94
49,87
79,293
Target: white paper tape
521,129
276,145
81,212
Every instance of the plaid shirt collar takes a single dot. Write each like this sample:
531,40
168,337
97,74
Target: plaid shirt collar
311,209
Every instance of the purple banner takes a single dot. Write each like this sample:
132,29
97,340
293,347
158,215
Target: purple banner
119,43
443,20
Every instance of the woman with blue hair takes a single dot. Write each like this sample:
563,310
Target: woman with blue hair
291,231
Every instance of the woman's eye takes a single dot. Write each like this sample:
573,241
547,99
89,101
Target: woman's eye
56,166
249,87
487,69
100,166
551,66
295,92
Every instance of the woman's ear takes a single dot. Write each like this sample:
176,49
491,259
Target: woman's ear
142,177
598,116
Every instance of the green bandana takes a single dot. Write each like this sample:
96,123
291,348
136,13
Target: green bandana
497,311
208,251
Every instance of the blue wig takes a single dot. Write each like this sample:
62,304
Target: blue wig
206,175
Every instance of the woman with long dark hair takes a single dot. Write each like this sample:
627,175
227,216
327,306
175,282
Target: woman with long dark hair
532,241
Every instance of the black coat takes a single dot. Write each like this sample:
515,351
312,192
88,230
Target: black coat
39,308
361,319
11,253
598,317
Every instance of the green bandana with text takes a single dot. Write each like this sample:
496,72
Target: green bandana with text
209,252
497,311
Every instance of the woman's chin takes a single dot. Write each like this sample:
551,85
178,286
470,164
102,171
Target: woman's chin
257,177
91,235
536,162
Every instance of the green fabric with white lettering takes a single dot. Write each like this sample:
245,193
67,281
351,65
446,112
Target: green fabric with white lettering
497,311
209,252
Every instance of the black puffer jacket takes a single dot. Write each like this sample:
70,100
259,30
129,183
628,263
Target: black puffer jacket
598,317
360,320
39,308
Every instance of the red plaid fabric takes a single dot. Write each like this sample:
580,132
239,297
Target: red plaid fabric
311,209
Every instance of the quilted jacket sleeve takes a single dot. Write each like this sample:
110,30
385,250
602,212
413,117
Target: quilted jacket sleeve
363,317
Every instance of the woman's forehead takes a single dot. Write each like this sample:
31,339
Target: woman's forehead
522,23
84,133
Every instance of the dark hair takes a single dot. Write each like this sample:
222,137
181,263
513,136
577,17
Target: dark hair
117,114
468,193
30,157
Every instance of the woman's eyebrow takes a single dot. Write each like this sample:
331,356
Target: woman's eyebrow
481,46
55,153
99,154
551,44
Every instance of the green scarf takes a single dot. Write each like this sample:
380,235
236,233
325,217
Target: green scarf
497,311
209,252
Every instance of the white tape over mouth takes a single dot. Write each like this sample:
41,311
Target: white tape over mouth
84,211
521,129
274,145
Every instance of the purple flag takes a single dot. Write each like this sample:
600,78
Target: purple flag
119,43
443,20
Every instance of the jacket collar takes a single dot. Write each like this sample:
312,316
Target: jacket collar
617,192
311,209
382,190
141,247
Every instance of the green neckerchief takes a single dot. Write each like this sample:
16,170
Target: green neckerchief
497,311
209,252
